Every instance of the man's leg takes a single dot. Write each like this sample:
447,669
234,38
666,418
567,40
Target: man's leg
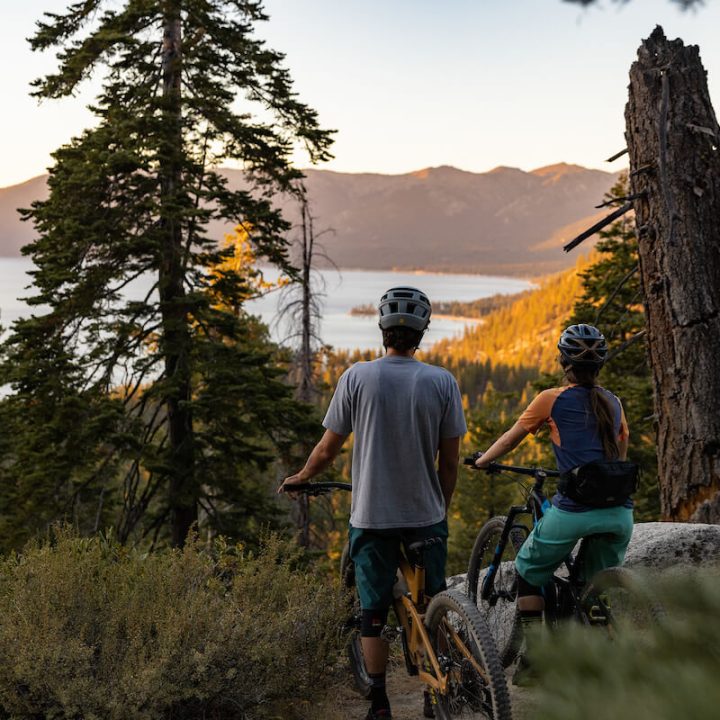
375,654
375,555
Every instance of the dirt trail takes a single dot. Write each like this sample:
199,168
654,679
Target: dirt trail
405,694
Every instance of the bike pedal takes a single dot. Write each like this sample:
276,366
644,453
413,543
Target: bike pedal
390,634
597,616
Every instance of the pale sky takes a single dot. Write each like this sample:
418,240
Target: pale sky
413,83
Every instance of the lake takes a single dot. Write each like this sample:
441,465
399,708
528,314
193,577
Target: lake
343,291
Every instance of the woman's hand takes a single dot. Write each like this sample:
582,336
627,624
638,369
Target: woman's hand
481,462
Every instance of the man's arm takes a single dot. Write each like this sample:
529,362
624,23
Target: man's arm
448,458
320,458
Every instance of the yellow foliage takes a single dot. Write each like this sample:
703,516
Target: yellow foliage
244,263
524,333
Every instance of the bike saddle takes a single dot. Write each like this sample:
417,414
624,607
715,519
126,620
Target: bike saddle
418,547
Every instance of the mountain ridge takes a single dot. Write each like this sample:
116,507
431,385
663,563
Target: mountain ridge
504,221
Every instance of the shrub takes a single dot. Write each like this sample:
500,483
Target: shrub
91,629
665,673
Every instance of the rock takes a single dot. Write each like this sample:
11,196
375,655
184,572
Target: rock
660,546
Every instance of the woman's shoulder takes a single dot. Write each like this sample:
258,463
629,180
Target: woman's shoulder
609,393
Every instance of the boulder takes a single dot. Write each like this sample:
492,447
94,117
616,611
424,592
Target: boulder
662,545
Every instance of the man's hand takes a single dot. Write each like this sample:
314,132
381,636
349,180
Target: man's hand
295,479
320,458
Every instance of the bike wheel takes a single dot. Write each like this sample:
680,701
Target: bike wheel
466,651
616,598
499,609
352,625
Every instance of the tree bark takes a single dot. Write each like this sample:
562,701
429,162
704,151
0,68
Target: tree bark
673,139
304,360
176,339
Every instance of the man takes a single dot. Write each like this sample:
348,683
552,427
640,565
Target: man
404,414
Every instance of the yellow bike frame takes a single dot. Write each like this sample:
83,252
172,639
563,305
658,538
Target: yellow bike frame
410,609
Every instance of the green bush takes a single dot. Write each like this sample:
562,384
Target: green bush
667,672
90,629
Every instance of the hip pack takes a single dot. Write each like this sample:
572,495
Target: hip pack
601,483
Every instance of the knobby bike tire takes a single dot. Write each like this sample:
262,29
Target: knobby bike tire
468,692
354,645
501,615
617,597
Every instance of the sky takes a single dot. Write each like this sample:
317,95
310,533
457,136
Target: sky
410,84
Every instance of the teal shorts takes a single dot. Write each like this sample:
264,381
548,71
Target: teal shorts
376,555
554,537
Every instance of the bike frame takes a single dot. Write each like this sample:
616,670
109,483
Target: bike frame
410,610
566,589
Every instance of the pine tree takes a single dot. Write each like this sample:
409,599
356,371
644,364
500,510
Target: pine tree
141,392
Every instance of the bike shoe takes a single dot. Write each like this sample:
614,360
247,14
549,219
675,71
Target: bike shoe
525,674
378,715
428,710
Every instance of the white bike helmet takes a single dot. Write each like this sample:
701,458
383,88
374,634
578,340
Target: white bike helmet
583,345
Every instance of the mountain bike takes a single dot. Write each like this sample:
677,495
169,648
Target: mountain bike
611,597
446,643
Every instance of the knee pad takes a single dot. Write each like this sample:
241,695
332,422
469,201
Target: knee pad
525,588
373,621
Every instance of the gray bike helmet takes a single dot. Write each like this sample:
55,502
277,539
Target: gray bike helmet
404,306
583,345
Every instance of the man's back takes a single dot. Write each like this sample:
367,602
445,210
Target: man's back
398,409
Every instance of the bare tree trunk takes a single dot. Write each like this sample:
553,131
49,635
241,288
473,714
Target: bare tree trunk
176,335
673,139
305,356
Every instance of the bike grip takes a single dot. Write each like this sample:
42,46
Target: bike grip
471,460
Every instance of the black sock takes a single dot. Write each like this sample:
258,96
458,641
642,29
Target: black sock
529,621
378,695
530,618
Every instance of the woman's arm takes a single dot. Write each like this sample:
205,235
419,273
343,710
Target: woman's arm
623,448
503,445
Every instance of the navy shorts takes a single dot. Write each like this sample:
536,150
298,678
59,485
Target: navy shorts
376,555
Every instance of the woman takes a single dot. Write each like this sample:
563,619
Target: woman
587,424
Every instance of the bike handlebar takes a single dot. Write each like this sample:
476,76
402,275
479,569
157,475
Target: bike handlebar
518,469
316,488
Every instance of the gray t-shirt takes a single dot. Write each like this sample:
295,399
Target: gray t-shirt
398,408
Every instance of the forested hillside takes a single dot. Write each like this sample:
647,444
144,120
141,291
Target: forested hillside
523,333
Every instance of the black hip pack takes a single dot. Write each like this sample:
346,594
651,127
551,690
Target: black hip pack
601,483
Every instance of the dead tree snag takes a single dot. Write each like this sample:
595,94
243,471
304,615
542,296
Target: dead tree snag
673,139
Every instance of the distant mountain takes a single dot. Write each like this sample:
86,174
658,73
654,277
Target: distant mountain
505,221
13,232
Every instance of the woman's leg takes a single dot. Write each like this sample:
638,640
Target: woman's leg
612,529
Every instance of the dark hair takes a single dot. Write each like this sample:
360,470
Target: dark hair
586,376
401,338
